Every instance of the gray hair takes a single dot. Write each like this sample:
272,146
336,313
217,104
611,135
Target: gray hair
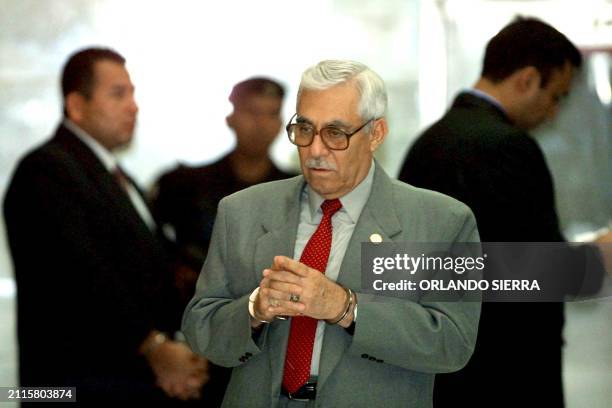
371,87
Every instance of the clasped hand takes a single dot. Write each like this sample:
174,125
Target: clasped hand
179,372
290,288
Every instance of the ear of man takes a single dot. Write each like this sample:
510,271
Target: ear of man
378,134
527,80
75,105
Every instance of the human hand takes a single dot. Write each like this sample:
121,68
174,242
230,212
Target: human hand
292,288
179,372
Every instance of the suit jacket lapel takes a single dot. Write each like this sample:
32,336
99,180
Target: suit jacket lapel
102,179
279,227
280,230
378,217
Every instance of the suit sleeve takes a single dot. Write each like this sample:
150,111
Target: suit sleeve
429,336
216,324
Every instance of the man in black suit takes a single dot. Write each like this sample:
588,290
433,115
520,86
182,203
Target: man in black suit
186,198
480,153
95,296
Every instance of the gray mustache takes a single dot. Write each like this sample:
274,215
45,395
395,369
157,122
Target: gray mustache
319,163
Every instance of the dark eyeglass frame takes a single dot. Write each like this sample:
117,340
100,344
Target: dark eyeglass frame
348,135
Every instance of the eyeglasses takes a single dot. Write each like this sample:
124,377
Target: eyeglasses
302,134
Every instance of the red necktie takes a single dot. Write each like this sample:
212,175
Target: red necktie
121,178
302,334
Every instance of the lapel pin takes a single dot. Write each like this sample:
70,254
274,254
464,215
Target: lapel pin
376,238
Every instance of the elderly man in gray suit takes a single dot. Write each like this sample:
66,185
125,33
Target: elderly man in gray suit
279,296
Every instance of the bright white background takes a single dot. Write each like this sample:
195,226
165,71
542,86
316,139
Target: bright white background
184,57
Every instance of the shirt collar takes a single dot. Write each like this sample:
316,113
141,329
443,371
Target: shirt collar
106,157
352,203
483,95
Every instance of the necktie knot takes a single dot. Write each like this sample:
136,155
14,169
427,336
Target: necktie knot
330,207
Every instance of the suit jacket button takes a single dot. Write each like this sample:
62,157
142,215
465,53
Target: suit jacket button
364,356
379,361
372,358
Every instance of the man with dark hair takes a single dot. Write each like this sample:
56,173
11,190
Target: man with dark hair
480,153
528,42
78,74
186,198
95,295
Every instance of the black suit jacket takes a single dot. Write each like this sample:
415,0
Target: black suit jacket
92,279
475,154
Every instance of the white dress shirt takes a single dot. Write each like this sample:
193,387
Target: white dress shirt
110,163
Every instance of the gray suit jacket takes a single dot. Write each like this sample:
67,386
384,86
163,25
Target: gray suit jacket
398,345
